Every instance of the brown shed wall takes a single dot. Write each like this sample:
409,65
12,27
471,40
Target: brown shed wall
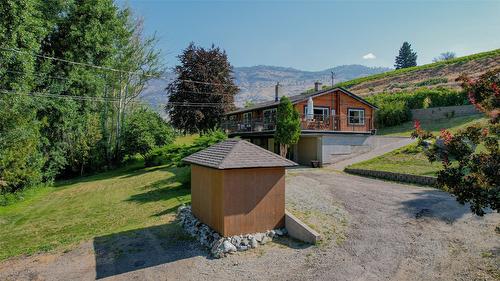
239,201
206,196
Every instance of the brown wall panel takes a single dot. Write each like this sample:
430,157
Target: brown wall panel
207,195
254,200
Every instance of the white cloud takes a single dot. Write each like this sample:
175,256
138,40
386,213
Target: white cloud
369,56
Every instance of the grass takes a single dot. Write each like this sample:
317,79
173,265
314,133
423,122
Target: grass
453,124
407,160
70,212
186,139
411,159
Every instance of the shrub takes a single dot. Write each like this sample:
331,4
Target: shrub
173,154
145,130
391,114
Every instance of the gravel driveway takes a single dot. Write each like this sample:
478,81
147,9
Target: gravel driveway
374,230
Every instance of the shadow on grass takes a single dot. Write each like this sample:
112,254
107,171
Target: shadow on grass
435,204
142,248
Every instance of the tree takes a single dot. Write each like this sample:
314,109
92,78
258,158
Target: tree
406,57
287,125
203,90
21,26
445,56
144,130
471,174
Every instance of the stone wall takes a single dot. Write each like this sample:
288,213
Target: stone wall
423,180
435,113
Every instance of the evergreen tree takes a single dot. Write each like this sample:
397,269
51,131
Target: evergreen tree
406,58
287,125
213,97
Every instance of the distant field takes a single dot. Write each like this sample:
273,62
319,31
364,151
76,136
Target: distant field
88,207
453,124
441,73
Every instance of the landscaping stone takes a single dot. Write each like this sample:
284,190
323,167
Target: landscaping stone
221,246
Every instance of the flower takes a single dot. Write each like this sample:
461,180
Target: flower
446,135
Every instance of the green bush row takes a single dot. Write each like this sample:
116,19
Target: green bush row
395,108
173,154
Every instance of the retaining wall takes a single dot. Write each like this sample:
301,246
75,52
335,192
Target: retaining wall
435,113
423,180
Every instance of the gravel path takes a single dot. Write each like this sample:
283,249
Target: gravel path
374,230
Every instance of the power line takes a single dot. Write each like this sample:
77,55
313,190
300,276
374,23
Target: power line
110,68
102,99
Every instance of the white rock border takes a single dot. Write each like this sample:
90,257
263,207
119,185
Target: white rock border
221,246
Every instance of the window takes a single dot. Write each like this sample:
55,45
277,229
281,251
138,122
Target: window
247,117
356,116
269,115
320,113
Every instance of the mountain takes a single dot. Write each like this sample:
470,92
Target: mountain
257,82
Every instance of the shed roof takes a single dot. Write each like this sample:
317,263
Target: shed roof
235,154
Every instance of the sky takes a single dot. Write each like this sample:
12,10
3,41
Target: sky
316,35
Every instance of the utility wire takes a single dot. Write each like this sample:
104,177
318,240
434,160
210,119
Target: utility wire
102,99
110,68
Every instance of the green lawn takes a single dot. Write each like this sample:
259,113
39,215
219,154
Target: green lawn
187,139
78,210
411,159
435,126
408,160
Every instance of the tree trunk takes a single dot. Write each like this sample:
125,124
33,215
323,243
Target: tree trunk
283,150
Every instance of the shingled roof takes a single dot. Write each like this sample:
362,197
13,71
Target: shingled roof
298,98
235,154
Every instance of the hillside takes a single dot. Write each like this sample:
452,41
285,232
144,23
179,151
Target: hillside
441,73
257,82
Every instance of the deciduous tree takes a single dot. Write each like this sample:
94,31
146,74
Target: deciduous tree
287,125
470,173
203,91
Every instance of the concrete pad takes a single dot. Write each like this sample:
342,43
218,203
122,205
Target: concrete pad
299,230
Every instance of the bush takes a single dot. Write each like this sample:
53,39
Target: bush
144,130
395,108
173,154
391,114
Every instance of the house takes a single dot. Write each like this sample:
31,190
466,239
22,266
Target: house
238,187
334,122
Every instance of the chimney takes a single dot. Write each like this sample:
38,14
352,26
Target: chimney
276,91
317,86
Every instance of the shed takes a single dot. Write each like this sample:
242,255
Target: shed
238,187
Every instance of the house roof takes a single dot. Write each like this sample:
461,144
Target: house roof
235,154
301,97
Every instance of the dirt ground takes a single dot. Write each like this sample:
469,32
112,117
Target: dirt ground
373,230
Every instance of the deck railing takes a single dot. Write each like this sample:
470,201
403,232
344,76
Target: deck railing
307,123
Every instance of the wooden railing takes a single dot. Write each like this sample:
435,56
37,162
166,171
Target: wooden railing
307,123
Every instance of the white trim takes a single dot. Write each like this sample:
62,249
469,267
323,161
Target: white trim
361,117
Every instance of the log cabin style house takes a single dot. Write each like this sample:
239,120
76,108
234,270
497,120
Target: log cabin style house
334,123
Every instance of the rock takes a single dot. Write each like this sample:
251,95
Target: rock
245,242
259,237
265,239
271,233
227,247
236,240
279,232
254,243
242,248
